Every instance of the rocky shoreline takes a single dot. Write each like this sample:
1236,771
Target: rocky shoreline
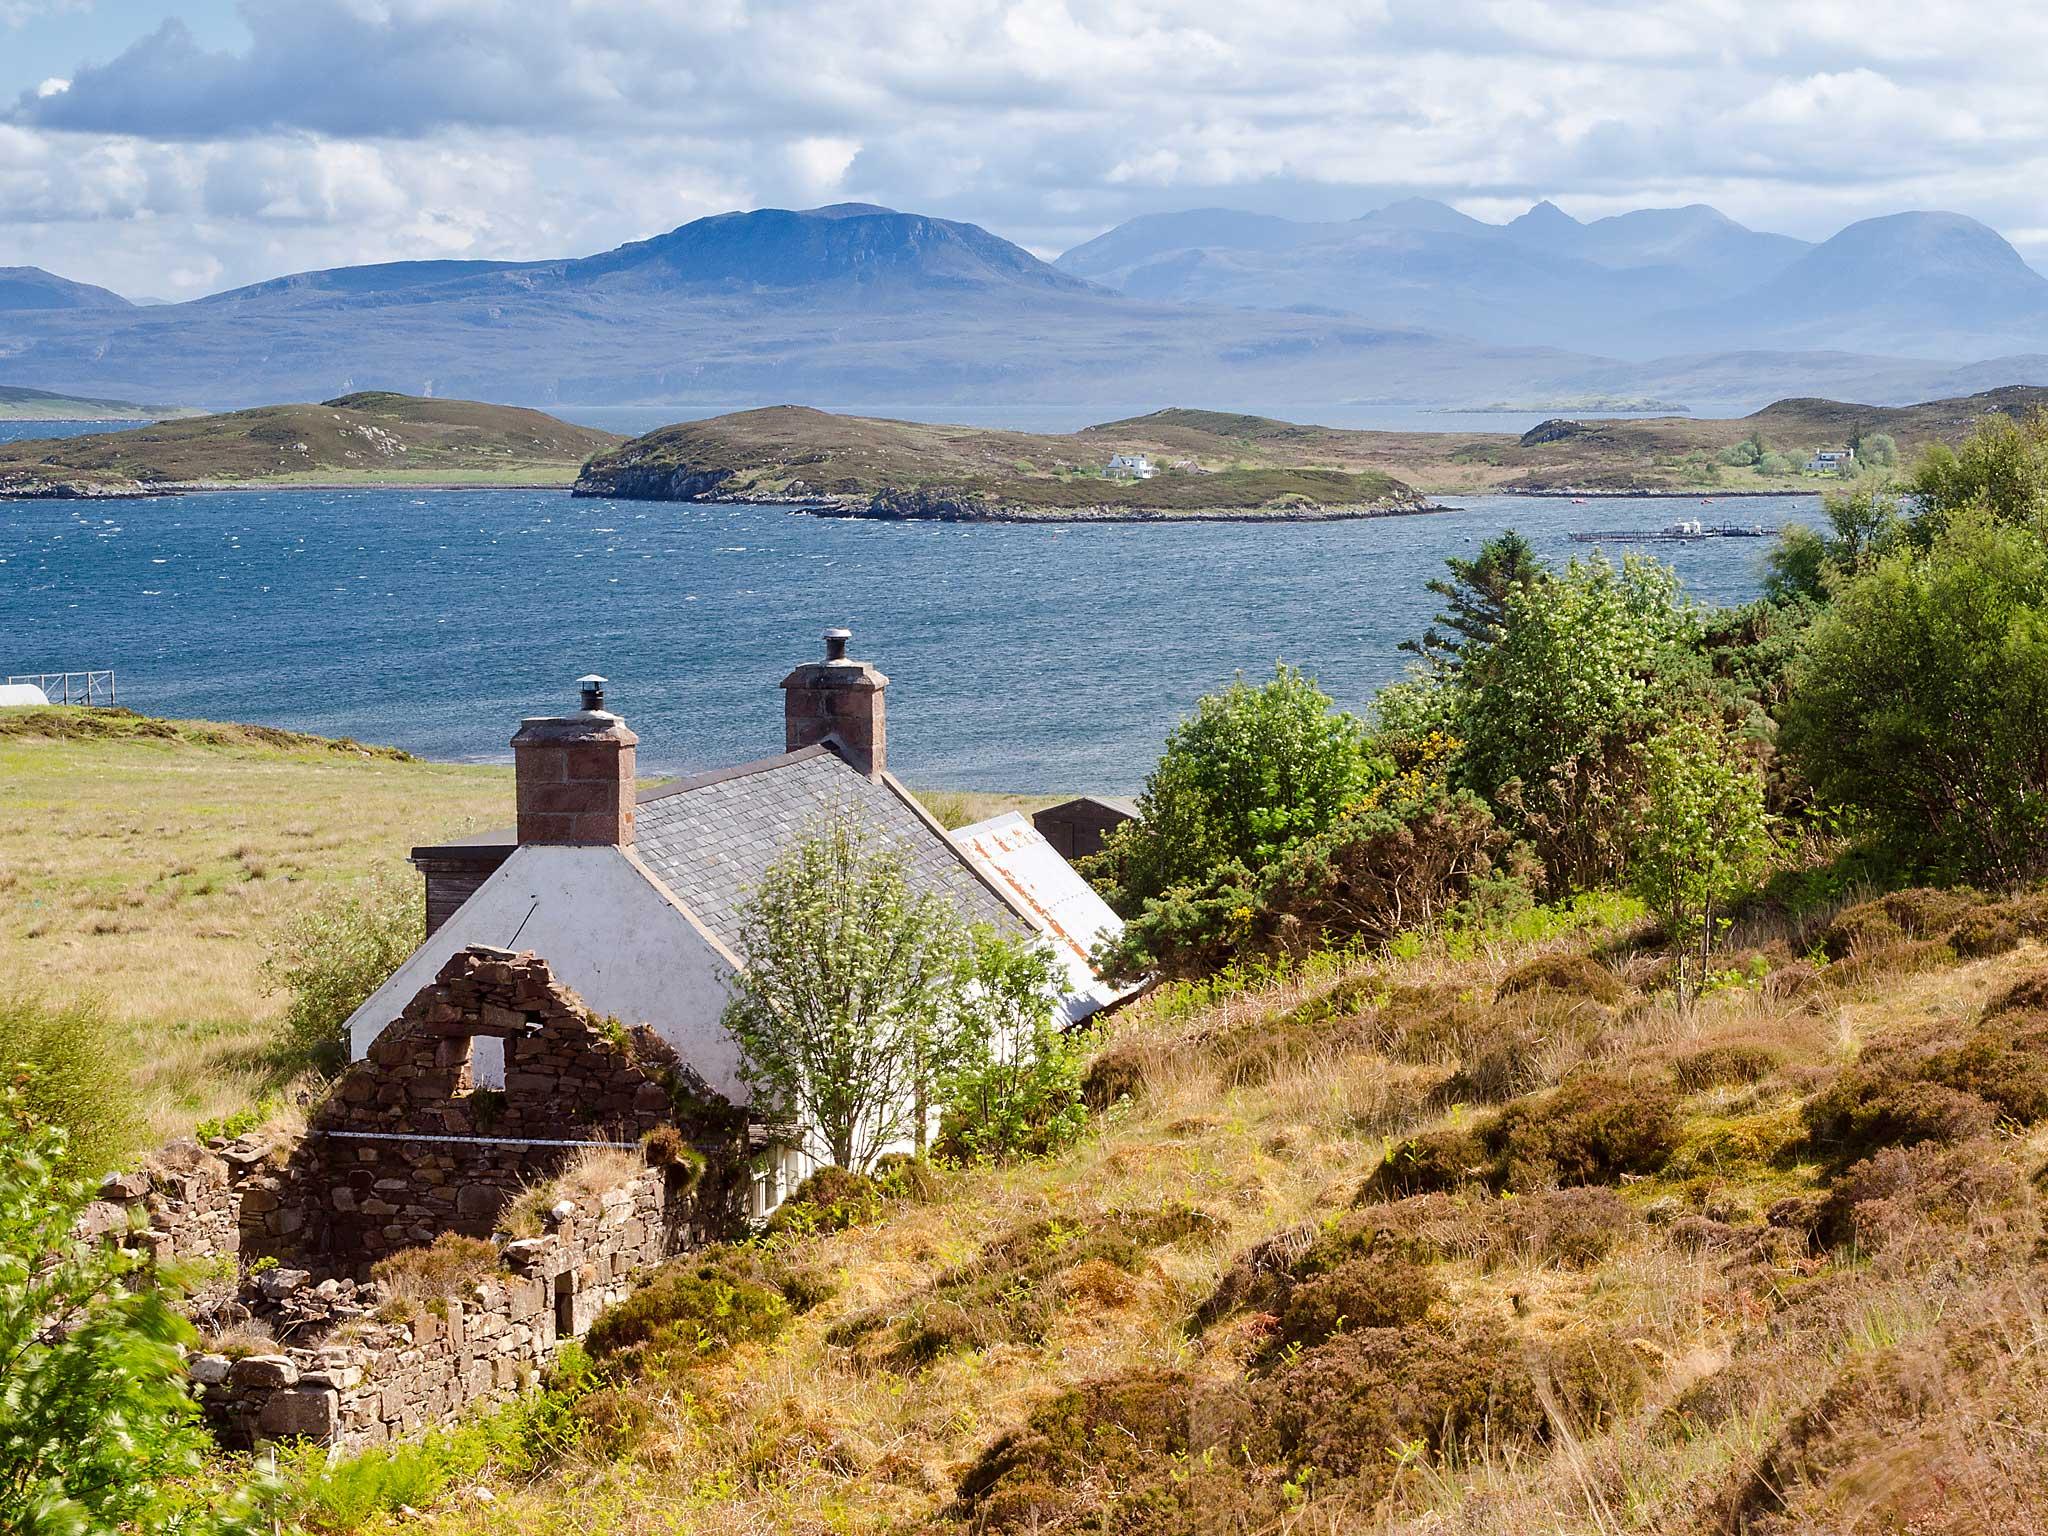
921,504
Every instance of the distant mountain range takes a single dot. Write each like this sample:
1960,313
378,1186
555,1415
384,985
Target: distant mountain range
1639,285
1414,305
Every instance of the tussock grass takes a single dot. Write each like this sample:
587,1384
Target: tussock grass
148,864
1777,1381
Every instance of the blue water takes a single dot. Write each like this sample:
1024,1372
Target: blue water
14,431
1026,658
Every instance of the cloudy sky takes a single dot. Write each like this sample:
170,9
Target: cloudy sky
173,147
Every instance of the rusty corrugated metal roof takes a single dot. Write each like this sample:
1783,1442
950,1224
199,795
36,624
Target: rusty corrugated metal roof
1063,906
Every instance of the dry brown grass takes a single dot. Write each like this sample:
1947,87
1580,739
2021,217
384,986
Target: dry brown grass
152,869
584,1181
1743,1331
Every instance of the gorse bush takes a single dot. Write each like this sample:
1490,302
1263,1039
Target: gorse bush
334,955
69,1077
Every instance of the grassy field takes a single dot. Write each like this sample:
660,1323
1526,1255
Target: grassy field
149,863
370,438
1787,1342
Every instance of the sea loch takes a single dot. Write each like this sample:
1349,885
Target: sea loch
1024,658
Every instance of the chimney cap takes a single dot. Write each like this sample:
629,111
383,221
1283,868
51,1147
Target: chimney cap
593,693
592,677
835,643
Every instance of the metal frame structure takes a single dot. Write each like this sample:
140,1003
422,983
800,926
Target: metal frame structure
94,689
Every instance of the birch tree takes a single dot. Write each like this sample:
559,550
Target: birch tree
848,1010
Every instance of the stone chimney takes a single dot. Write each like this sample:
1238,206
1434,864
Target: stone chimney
575,775
838,701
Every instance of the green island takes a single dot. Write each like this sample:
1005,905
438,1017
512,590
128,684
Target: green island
370,438
1218,464
1172,464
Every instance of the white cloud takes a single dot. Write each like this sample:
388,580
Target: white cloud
380,129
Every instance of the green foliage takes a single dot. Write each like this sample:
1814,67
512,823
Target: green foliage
1475,598
334,955
1702,838
2001,468
1590,664
1254,770
1920,702
70,1078
1805,563
847,1014
1016,1088
1878,450
96,1430
830,1200
1405,856
696,1308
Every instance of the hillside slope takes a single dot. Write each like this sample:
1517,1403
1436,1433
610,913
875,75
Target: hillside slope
849,302
355,438
151,865
1494,1244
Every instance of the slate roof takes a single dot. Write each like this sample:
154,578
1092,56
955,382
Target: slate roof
710,839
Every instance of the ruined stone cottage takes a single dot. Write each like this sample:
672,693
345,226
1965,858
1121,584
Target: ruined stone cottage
634,896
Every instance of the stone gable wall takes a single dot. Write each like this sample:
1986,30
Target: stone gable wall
406,1147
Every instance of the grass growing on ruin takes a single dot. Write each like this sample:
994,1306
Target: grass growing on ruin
1724,1328
147,863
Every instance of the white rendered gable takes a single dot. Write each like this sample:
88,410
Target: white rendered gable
609,930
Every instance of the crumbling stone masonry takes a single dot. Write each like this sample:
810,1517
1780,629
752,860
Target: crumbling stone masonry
361,1377
406,1146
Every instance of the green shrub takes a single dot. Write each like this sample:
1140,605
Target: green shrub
830,1200
1251,772
698,1308
1405,856
1588,664
97,1434
1921,698
1015,1088
62,1064
332,956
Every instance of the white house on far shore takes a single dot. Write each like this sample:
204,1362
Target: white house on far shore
1130,466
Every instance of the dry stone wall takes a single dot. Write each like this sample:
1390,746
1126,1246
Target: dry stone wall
368,1379
404,1149
406,1146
